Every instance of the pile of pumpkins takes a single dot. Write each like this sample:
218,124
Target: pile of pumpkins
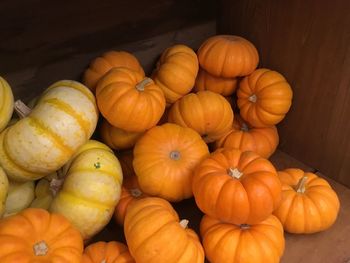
202,125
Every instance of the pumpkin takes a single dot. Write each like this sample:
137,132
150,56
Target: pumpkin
223,86
43,194
6,103
116,138
228,56
64,119
129,101
4,185
264,98
130,192
107,252
263,140
154,234
20,196
206,112
110,59
35,235
165,158
126,158
309,204
236,187
91,188
228,243
176,72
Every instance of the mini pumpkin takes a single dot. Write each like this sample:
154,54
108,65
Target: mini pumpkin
19,197
206,112
228,243
236,187
154,234
4,185
129,101
309,204
110,59
228,56
264,98
6,103
165,158
35,235
176,72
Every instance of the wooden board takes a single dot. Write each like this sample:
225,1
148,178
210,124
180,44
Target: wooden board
308,42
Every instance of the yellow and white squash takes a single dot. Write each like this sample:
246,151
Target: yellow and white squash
6,103
4,185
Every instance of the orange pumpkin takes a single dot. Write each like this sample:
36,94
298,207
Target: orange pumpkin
264,98
263,141
111,59
154,234
176,72
165,158
116,138
35,235
227,243
208,113
309,204
228,56
126,158
223,86
107,252
236,187
129,101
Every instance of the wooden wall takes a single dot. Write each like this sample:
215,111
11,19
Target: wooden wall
308,41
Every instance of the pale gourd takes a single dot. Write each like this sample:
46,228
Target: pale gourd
43,194
4,185
20,196
6,103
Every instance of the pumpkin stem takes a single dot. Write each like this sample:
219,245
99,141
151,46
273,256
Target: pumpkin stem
55,185
175,155
300,188
40,248
244,226
184,223
235,173
244,127
21,109
252,98
135,192
141,85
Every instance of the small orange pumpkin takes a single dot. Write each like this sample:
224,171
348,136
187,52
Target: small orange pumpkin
107,252
111,59
264,98
228,56
206,112
129,101
309,204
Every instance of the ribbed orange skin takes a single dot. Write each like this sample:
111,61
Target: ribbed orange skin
116,138
107,252
19,233
176,72
273,98
111,59
223,86
206,112
228,243
126,107
158,173
154,234
228,56
314,210
247,200
262,141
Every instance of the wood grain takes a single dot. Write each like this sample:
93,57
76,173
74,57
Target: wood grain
309,43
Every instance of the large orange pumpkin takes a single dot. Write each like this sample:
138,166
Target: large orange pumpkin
263,140
236,187
228,56
107,252
208,113
264,98
35,235
176,72
309,204
223,86
227,243
165,158
111,59
129,101
154,234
